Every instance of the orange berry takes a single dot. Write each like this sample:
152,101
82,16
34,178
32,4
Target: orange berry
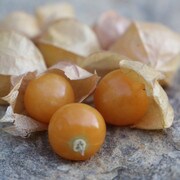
120,100
45,94
76,131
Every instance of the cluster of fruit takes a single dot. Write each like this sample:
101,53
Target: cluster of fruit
129,91
76,130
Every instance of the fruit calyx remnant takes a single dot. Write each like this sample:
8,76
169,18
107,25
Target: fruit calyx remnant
79,145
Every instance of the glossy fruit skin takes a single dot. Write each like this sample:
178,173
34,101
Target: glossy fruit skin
76,121
45,94
120,100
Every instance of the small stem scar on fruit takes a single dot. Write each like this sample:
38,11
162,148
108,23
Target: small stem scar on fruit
79,145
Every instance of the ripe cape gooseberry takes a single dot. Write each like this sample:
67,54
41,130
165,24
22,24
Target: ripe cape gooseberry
76,131
121,100
45,94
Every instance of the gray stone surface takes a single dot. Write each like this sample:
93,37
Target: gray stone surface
127,153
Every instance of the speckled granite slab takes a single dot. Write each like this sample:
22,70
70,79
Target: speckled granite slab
127,153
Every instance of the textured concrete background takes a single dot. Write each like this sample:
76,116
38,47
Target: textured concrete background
126,154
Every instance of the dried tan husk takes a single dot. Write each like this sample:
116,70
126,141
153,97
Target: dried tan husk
83,84
53,54
17,56
4,87
71,40
153,44
160,114
110,26
50,13
21,22
102,62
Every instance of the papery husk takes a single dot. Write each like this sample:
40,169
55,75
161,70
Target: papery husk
102,62
53,54
69,39
110,26
153,44
4,87
160,114
49,13
20,127
21,22
82,82
17,56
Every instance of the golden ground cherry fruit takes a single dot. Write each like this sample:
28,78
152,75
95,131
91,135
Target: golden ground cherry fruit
76,131
45,94
120,100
